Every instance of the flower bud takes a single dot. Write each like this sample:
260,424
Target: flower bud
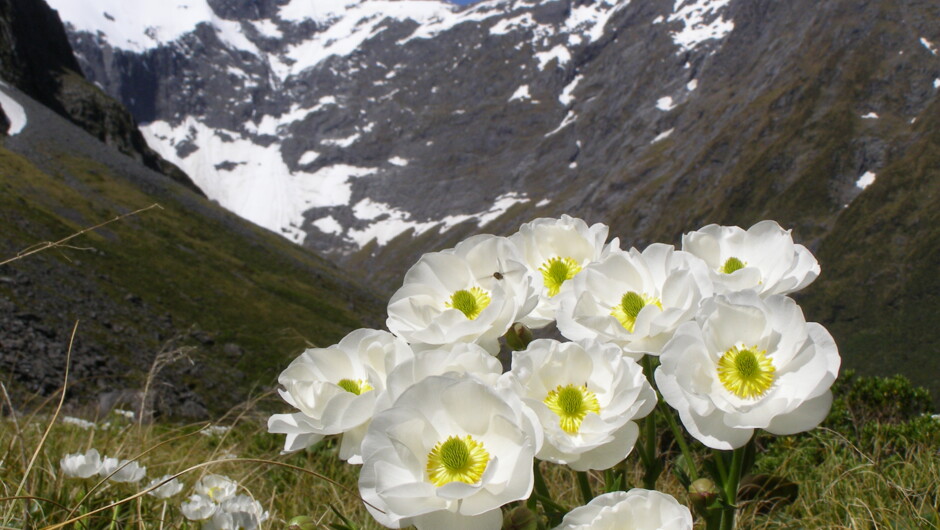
520,518
518,337
702,492
302,522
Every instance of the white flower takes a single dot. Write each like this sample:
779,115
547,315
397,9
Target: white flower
78,422
456,359
763,258
121,470
78,465
245,512
216,488
335,389
471,293
748,363
632,299
586,397
636,509
198,507
165,491
449,454
555,250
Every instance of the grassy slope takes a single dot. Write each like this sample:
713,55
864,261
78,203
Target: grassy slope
187,263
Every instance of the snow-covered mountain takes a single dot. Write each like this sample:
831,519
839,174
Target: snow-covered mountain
321,120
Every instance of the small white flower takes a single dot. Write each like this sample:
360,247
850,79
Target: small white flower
78,465
215,430
78,422
470,293
586,397
763,258
449,454
165,491
748,363
216,488
198,507
636,509
632,299
335,389
245,512
555,250
129,414
121,470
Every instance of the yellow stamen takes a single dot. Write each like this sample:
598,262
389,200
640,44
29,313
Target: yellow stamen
732,264
572,404
356,386
630,306
557,271
471,302
460,459
746,372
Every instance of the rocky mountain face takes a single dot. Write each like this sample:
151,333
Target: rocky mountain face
379,129
134,290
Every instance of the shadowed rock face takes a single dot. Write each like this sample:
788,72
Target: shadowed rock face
36,57
433,128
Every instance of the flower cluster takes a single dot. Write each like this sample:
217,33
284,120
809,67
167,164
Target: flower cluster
90,463
218,505
446,437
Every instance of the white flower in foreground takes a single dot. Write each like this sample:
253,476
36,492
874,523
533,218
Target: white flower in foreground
470,293
78,465
335,389
555,250
763,258
449,454
121,470
216,488
632,299
165,491
586,397
198,507
748,363
456,359
245,512
637,509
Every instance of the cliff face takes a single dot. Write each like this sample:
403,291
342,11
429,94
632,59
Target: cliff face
36,58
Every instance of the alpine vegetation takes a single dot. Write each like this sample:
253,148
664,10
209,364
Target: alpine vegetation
449,439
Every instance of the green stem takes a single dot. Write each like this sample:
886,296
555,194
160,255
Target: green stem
720,465
586,494
730,488
540,486
651,464
114,517
680,439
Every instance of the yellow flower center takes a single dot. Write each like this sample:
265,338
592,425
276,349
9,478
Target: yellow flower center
557,271
572,403
471,302
630,306
731,264
461,459
213,491
746,372
356,386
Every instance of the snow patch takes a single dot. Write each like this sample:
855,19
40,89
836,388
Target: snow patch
665,103
521,93
867,179
936,83
559,53
566,96
308,157
341,142
570,118
662,136
328,225
870,116
543,202
929,45
15,113
701,21
691,85
398,161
